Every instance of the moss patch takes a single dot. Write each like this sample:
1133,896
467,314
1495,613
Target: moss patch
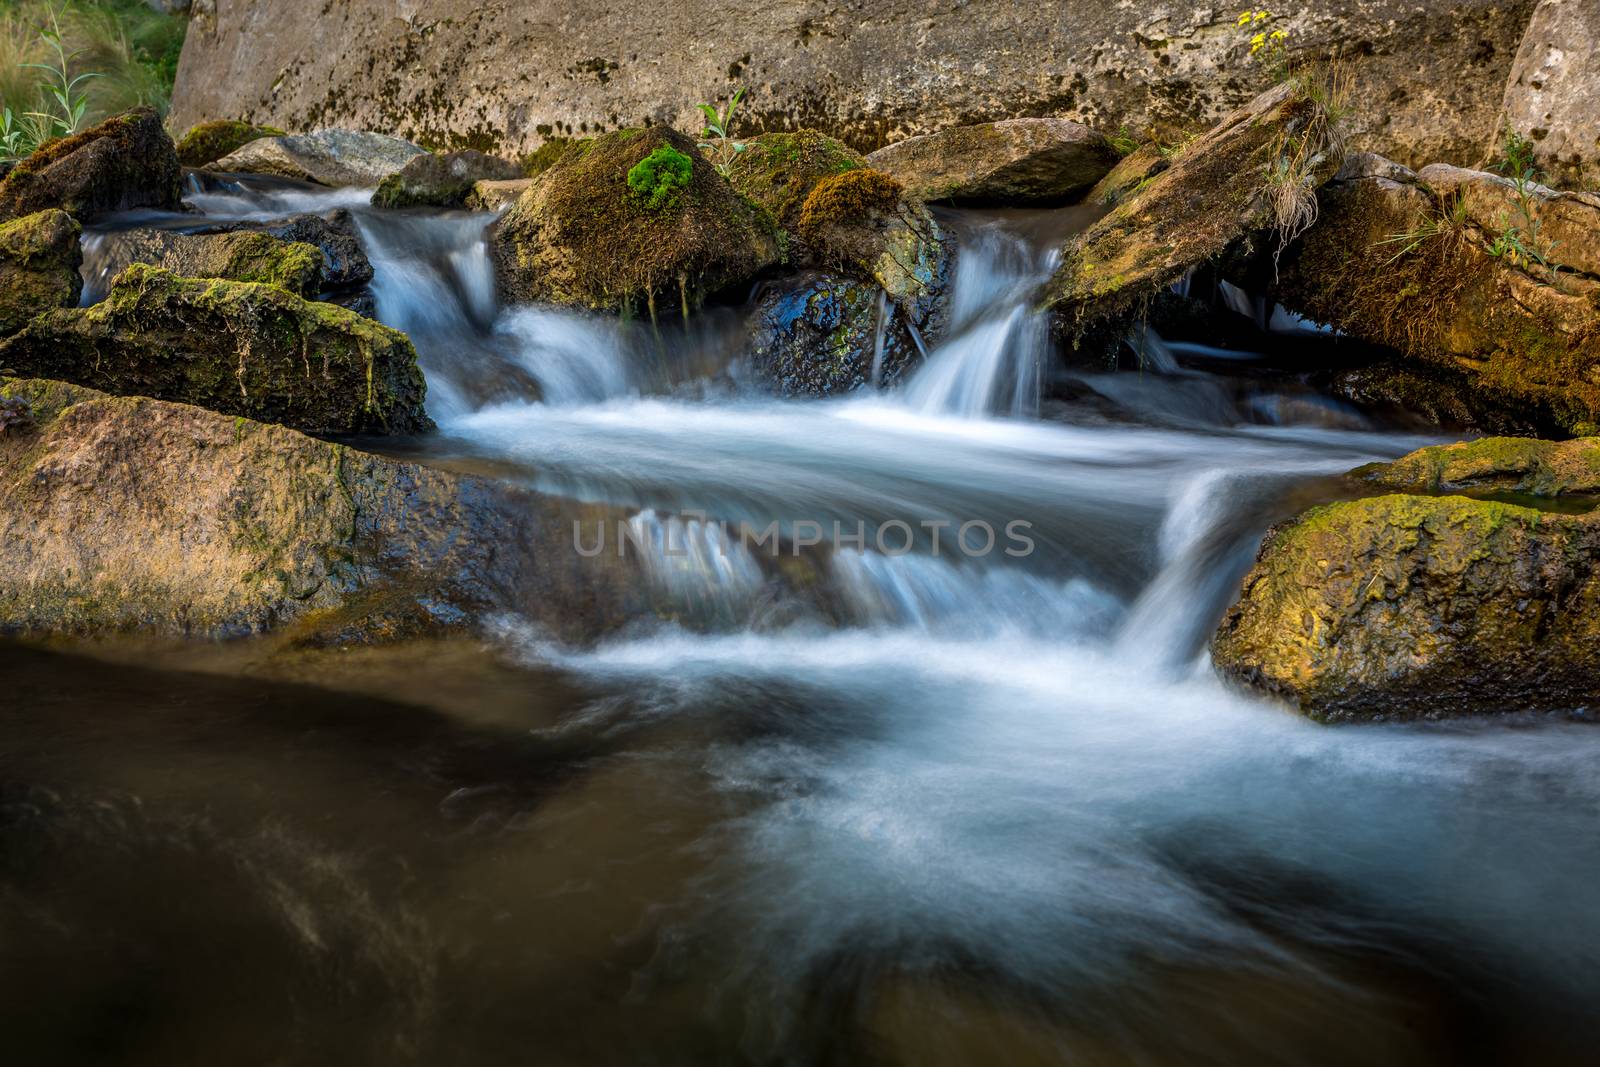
657,179
210,141
779,170
39,261
1497,464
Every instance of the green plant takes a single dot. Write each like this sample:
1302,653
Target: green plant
1267,45
657,178
718,143
1519,242
1449,219
61,86
1124,141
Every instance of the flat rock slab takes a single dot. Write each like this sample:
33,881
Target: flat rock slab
1018,161
327,157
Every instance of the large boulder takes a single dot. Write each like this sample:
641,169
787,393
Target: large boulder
1018,161
1251,181
244,256
1465,271
234,347
441,181
126,162
1553,94
326,157
208,142
825,334
39,260
130,514
639,217
779,170
1409,605
1428,75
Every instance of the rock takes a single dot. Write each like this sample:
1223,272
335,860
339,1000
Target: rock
1216,195
1553,93
326,157
779,170
441,181
818,335
492,196
1450,276
1428,396
1130,173
242,256
39,261
1518,465
234,347
1018,161
130,514
1428,75
344,261
210,141
639,215
126,162
1402,606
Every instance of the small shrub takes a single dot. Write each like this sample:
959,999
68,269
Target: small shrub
718,144
657,179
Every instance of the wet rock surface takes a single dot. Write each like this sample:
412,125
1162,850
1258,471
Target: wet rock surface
332,157
823,334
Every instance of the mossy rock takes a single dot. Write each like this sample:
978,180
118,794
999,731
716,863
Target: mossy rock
817,335
234,347
210,141
581,236
553,151
137,515
244,256
126,162
39,261
779,170
1406,606
441,180
1016,161
1519,465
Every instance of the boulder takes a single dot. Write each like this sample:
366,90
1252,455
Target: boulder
1519,465
39,261
131,514
1250,181
344,261
441,181
234,347
326,157
244,256
779,170
638,215
1465,271
1401,606
1553,93
1427,75
1017,161
825,334
126,162
492,196
208,142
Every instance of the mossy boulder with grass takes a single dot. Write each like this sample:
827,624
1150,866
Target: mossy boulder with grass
244,256
779,170
39,261
1016,161
233,347
137,515
1408,606
1248,183
441,180
637,221
210,141
125,162
1465,272
1522,466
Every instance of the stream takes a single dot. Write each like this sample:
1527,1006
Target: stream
988,806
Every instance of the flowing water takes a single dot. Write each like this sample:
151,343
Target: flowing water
991,805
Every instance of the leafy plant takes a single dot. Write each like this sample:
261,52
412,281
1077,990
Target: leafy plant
1267,45
657,178
718,143
1519,242
61,87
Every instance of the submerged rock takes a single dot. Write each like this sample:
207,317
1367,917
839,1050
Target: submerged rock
126,162
234,347
244,256
1017,161
636,219
441,181
326,157
208,142
39,261
1257,172
824,334
1402,606
1465,271
779,170
1553,94
130,514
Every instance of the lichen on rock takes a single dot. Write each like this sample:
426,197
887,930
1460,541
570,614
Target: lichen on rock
1520,465
39,261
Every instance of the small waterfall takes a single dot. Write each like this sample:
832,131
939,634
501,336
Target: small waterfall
702,572
432,274
993,359
575,358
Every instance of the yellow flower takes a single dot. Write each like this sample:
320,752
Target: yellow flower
1244,19
1279,35
1257,42
1261,16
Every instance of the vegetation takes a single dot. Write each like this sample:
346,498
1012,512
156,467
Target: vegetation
657,179
1519,242
68,64
718,143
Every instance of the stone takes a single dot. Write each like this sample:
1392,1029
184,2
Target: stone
1520,465
779,170
125,162
208,142
493,196
39,260
441,181
137,515
820,335
501,76
1553,93
1017,161
234,347
243,256
332,157
638,218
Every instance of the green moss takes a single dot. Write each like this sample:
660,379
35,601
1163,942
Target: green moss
210,141
553,151
1496,464
779,170
39,261
657,178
